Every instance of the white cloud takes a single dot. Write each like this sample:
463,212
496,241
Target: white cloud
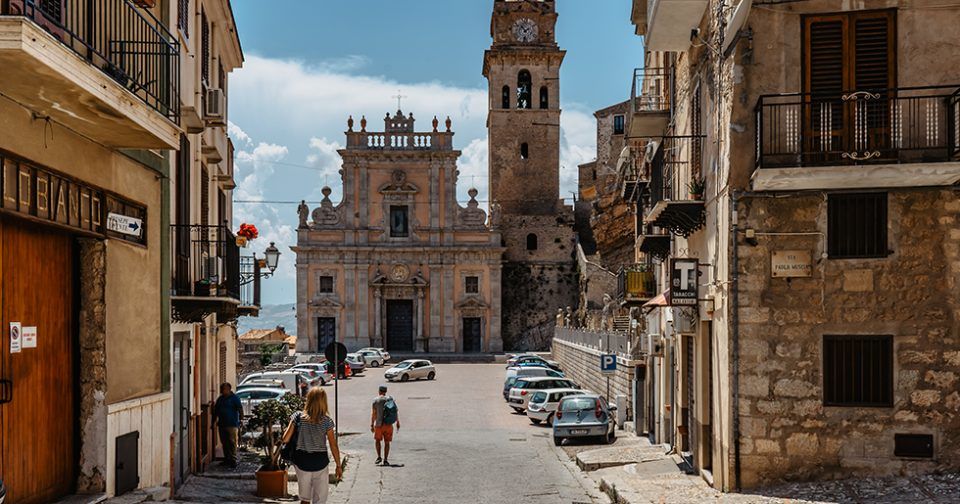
238,135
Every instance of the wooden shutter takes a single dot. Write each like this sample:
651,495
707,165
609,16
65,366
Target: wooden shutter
826,49
183,16
849,52
204,47
873,65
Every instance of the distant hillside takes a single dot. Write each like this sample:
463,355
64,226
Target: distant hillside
271,316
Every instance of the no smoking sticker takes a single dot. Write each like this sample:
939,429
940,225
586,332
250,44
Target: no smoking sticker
15,341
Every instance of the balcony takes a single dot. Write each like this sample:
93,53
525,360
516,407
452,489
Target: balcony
671,205
654,243
213,144
636,284
206,273
638,16
669,23
400,141
633,170
650,99
249,286
104,68
902,137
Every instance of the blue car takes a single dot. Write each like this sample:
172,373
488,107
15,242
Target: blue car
584,416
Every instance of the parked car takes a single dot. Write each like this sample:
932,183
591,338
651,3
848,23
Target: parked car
537,360
524,388
516,372
586,415
411,369
543,404
512,361
371,358
252,396
311,378
320,367
383,352
291,380
356,363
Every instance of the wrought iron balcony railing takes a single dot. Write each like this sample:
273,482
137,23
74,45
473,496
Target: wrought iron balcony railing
250,283
886,126
652,90
677,160
206,262
124,41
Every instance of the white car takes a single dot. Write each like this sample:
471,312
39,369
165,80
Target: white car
383,352
515,373
251,397
371,358
320,368
413,369
291,379
543,404
524,387
310,376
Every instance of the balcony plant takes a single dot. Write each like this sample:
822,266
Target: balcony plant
247,232
697,186
271,419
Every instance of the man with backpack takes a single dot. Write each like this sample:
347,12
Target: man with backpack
382,418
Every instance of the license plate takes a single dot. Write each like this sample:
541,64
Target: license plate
578,431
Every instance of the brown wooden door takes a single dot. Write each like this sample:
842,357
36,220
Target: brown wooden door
38,436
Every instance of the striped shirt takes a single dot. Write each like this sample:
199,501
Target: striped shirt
312,437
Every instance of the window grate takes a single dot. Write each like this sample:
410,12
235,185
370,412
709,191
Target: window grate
857,225
858,370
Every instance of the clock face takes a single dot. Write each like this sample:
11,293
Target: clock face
525,30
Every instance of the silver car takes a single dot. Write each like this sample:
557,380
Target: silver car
413,369
251,397
584,416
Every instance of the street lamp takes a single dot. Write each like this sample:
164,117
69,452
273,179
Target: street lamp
273,257
270,261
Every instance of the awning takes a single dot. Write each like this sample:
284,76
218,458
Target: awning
659,301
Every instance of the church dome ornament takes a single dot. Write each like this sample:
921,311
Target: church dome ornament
350,124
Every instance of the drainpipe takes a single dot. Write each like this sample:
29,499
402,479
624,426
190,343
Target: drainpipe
735,333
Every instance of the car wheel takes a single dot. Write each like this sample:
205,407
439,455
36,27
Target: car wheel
432,375
550,419
557,441
404,377
517,410
535,421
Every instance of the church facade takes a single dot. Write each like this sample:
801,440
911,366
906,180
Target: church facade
398,262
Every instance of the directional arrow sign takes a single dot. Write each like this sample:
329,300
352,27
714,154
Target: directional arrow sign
124,225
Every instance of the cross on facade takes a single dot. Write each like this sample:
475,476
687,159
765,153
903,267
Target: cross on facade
399,97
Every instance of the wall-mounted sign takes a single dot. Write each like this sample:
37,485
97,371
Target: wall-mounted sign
124,224
608,363
16,340
683,282
791,264
30,337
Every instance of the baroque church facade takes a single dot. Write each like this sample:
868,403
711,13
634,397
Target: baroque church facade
400,264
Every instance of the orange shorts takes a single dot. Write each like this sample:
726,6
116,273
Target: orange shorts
383,433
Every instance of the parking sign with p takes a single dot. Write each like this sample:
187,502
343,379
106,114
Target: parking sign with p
608,363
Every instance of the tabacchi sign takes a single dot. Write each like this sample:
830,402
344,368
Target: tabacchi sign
683,282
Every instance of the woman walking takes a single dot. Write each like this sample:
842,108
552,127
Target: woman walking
314,430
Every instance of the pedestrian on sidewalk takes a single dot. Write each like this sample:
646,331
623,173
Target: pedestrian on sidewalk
313,428
228,412
382,418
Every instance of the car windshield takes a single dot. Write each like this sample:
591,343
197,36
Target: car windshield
578,403
403,365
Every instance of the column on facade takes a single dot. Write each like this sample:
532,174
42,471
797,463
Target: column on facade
448,334
350,304
495,341
377,338
436,301
363,308
421,346
307,340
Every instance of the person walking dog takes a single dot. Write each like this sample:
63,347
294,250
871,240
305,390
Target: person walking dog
312,431
382,418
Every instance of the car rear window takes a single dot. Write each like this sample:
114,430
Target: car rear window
522,384
511,381
539,397
578,403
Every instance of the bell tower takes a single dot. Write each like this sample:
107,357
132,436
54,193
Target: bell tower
522,68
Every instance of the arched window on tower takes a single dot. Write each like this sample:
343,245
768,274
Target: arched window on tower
544,97
524,150
524,90
505,100
532,242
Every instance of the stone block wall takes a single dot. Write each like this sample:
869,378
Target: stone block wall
787,432
531,295
582,365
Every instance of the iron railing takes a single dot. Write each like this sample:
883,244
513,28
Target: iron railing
124,41
652,90
606,341
636,282
677,161
249,281
206,261
885,126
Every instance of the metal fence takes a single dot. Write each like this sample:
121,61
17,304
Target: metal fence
206,261
604,341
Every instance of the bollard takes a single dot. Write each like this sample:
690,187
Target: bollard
621,410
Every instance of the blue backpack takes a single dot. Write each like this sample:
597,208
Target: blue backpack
389,412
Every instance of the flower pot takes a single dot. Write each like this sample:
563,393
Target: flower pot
241,241
271,483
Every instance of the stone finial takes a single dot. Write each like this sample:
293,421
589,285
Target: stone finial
326,192
350,124
363,124
473,192
449,124
410,116
436,124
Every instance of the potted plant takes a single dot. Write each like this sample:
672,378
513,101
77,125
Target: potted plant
247,232
697,187
271,419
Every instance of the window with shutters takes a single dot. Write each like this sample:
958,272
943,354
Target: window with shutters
204,47
183,16
619,122
858,370
857,226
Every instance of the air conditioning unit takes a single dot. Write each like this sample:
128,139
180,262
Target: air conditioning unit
654,345
214,109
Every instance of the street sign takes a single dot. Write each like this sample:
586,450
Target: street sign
684,275
15,340
124,225
335,352
30,337
608,363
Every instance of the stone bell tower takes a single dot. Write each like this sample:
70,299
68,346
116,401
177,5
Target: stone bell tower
522,67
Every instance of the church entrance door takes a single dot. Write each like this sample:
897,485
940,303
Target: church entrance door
326,332
400,326
472,341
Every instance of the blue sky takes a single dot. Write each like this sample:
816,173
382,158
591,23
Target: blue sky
310,64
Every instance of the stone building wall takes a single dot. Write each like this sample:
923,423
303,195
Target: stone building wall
787,432
532,293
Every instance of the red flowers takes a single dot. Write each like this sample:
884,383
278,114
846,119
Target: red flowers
248,231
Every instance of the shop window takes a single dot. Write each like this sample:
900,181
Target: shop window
399,222
857,225
857,370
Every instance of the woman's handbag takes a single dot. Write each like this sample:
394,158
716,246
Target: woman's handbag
287,451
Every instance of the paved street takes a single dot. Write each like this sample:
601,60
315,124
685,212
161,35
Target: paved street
458,443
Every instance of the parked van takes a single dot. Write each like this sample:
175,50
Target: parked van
291,379
516,372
